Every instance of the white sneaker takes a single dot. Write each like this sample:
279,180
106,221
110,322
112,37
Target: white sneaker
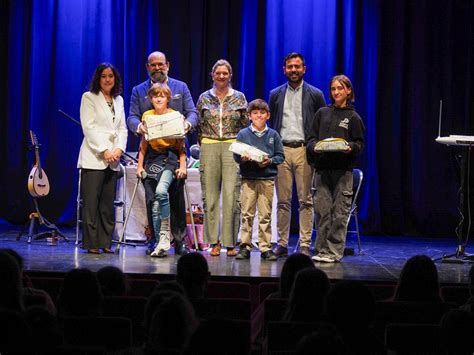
159,253
323,259
164,242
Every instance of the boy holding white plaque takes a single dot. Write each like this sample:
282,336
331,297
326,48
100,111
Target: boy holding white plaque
163,159
258,179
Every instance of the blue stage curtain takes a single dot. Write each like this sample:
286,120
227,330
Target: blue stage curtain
402,57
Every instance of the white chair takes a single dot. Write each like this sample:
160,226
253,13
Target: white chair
119,201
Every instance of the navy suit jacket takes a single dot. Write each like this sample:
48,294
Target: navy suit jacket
181,100
313,100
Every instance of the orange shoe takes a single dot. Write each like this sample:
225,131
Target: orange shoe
231,251
216,249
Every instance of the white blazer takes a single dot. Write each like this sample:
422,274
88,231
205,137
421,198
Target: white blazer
101,131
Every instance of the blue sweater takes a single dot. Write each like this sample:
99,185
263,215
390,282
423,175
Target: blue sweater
270,143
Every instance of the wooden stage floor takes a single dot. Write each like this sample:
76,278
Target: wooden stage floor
382,259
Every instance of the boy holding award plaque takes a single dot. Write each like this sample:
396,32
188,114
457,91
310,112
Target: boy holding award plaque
335,140
161,159
258,168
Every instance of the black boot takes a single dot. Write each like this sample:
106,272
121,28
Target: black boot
180,248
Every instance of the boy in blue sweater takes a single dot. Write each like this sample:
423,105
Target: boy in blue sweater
258,180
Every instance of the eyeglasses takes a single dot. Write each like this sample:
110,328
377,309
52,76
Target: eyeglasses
157,65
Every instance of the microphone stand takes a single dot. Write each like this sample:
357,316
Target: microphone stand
121,240
79,123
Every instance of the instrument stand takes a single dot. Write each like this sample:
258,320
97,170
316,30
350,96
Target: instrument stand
460,256
37,219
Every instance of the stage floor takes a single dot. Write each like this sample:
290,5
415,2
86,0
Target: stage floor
382,259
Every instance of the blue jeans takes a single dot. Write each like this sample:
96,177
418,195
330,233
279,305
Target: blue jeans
160,208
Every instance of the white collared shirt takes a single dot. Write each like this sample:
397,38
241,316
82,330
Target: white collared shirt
292,122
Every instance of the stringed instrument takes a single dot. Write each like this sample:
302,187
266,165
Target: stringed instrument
38,183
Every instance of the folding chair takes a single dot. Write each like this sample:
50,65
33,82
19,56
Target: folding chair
357,178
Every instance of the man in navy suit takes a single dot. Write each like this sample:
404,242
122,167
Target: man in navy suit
292,107
182,101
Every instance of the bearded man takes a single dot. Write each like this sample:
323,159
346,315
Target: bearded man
181,100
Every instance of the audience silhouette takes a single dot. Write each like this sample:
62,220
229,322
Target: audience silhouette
80,294
418,281
308,296
342,315
11,296
351,308
171,322
193,274
112,281
294,263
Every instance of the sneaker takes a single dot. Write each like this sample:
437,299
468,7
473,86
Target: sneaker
305,251
281,251
159,253
323,259
243,253
269,255
164,242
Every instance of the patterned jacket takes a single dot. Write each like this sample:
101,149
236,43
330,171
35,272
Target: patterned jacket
221,120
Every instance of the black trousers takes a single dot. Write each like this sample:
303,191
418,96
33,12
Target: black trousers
98,214
177,207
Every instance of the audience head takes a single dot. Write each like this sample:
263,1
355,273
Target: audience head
18,258
418,281
293,264
80,294
170,321
193,274
11,296
112,281
308,296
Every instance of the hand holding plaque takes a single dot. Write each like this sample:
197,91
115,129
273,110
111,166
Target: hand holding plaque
250,151
332,145
169,125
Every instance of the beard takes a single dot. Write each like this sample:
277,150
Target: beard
295,78
158,76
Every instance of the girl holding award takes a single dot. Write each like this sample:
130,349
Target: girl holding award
161,159
335,140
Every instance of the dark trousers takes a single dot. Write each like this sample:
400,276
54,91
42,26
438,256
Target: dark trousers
177,206
333,203
98,215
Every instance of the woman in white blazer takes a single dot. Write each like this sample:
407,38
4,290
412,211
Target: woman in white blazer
105,140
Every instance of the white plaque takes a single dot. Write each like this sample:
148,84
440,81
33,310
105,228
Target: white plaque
169,125
254,153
